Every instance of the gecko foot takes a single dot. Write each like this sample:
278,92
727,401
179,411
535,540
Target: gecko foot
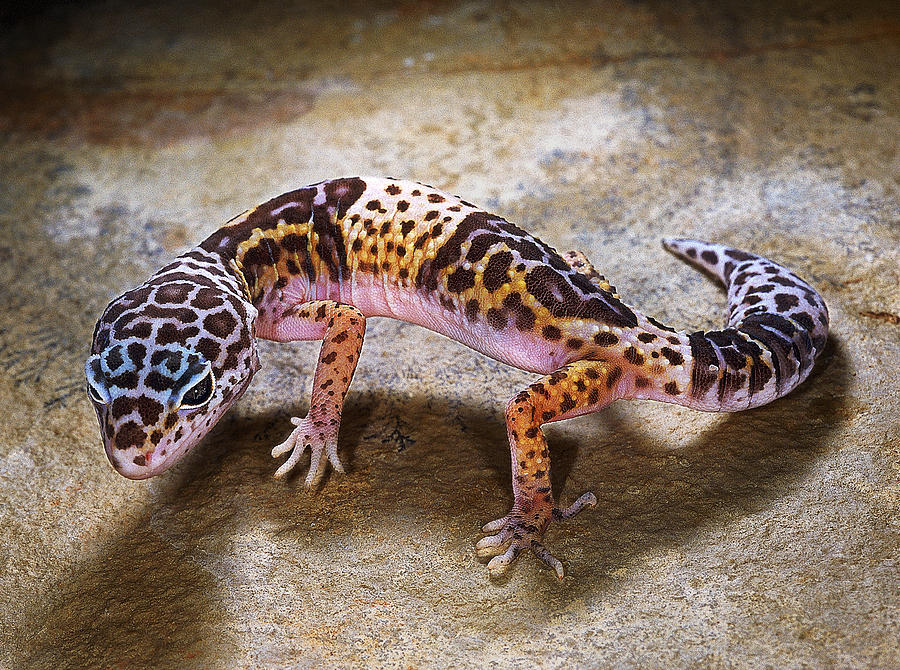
524,529
308,435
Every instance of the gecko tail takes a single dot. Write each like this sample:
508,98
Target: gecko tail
777,326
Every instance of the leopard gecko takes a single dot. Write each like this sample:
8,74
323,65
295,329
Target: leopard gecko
169,357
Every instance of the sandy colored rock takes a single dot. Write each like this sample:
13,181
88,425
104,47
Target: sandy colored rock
763,539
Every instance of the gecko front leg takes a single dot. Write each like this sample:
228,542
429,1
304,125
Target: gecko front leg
341,328
579,388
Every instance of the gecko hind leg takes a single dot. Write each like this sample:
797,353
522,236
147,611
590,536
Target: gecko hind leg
579,262
578,388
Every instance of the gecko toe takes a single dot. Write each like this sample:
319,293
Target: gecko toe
494,525
305,436
585,500
493,544
498,565
548,559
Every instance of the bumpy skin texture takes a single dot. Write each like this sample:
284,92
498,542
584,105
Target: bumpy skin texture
171,356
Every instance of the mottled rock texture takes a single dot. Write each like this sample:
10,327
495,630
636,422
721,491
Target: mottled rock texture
763,539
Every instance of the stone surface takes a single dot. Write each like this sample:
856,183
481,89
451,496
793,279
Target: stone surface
763,539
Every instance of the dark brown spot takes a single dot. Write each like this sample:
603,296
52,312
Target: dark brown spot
632,355
495,274
435,197
496,318
136,352
433,214
574,343
704,355
472,309
551,333
710,257
209,349
567,404
613,377
220,324
671,388
373,205
738,255
207,298
674,357
785,301
646,338
168,333
460,280
641,382
421,241
392,189
605,339
130,434
525,318
555,292
804,320
173,293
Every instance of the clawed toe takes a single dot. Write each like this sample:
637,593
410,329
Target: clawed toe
301,439
494,525
518,531
493,544
585,500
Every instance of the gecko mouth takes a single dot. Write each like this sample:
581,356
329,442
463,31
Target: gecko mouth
135,464
140,460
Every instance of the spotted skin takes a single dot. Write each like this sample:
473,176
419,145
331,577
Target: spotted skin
169,357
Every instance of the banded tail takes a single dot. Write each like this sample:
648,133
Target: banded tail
777,327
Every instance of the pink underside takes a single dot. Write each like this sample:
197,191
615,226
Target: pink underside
375,298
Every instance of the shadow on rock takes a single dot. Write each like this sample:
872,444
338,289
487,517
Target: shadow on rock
154,596
652,498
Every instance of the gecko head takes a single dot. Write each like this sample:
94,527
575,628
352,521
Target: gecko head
161,375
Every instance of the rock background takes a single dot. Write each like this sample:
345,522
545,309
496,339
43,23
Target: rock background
763,539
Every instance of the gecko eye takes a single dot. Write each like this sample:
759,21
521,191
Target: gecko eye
95,395
96,388
199,394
